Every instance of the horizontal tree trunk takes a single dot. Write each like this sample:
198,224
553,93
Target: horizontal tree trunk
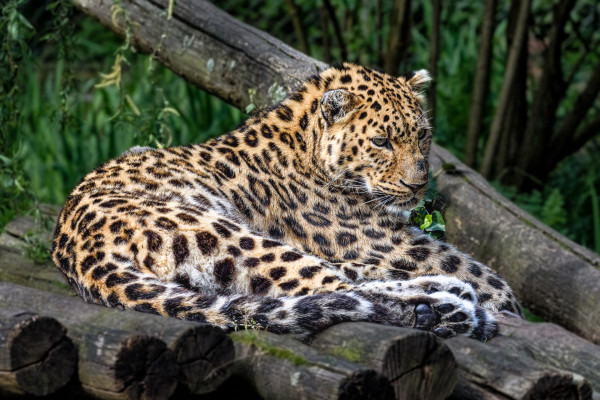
36,356
418,364
206,45
280,367
130,355
527,361
246,63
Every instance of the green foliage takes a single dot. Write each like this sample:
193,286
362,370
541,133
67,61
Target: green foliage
15,191
569,200
434,224
428,215
62,125
37,248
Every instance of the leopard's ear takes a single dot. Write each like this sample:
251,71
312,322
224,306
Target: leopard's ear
335,104
418,80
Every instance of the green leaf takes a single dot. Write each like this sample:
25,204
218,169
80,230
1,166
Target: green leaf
437,223
426,222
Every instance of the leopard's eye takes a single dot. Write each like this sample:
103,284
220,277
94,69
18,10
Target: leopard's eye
423,133
380,141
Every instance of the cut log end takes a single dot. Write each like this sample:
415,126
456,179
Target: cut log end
205,357
418,365
146,368
36,356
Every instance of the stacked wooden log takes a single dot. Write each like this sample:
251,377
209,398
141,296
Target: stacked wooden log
36,356
59,343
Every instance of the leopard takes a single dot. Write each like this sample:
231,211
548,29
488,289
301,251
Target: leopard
290,223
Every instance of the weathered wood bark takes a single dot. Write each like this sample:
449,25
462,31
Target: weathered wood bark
528,361
550,345
551,275
418,364
206,45
36,356
280,367
492,374
125,354
17,269
480,220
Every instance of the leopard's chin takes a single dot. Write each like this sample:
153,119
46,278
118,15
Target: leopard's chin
399,207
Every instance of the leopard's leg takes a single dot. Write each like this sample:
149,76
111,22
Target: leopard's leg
220,271
438,266
442,313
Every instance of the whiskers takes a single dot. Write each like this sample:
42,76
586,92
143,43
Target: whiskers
354,185
380,199
424,120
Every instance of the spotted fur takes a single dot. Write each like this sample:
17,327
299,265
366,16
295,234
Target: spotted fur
289,223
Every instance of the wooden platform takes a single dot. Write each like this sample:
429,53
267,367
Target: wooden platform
53,344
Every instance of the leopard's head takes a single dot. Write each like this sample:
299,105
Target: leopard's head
375,136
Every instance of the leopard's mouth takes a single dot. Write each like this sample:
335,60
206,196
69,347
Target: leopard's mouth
394,202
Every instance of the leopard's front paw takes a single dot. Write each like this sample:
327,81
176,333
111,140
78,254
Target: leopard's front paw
446,315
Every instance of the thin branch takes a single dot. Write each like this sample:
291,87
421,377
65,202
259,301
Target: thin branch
584,134
482,83
509,77
379,12
336,30
584,102
298,27
325,38
536,139
434,55
398,36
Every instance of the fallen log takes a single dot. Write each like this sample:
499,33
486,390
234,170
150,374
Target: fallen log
418,364
280,367
246,67
126,354
580,289
498,370
211,49
17,269
545,346
36,356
